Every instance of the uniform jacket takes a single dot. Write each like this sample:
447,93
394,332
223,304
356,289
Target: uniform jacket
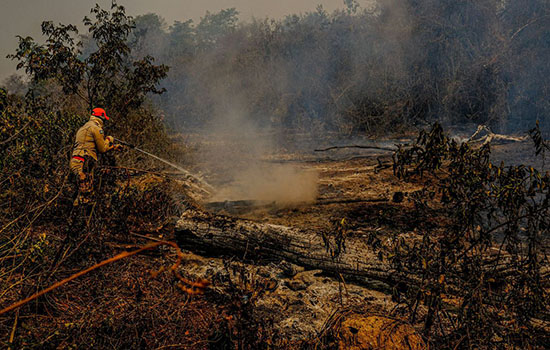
90,139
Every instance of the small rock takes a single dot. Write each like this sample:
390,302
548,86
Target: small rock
296,285
375,332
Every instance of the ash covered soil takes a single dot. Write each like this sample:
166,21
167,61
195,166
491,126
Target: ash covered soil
248,303
352,186
355,187
134,304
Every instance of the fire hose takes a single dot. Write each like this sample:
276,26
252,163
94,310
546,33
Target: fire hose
206,186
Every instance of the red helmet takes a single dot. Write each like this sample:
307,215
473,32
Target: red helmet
100,112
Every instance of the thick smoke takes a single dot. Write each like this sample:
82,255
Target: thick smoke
376,70
316,69
239,151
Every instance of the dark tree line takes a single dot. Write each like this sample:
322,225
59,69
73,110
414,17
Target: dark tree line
359,70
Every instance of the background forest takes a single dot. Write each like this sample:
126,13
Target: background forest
391,66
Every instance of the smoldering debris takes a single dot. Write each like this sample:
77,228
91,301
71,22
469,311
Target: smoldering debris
279,183
233,151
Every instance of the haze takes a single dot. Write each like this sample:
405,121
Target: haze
23,17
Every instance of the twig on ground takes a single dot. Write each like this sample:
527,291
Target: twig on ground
146,237
14,328
356,146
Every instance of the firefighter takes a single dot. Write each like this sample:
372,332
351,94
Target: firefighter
90,140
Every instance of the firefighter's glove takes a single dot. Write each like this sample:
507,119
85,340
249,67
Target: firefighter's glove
110,140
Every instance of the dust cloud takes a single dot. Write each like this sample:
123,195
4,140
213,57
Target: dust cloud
280,183
237,153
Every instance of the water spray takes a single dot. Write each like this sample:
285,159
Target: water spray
206,186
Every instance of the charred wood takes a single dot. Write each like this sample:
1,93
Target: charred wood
219,235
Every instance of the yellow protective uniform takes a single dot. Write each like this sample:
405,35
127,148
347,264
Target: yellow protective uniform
90,139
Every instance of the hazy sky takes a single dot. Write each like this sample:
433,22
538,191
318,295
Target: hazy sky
23,17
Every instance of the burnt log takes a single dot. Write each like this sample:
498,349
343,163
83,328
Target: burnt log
218,235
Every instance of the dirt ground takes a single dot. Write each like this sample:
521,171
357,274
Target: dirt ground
356,186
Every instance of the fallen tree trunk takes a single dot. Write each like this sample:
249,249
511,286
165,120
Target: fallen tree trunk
217,235
357,146
491,136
